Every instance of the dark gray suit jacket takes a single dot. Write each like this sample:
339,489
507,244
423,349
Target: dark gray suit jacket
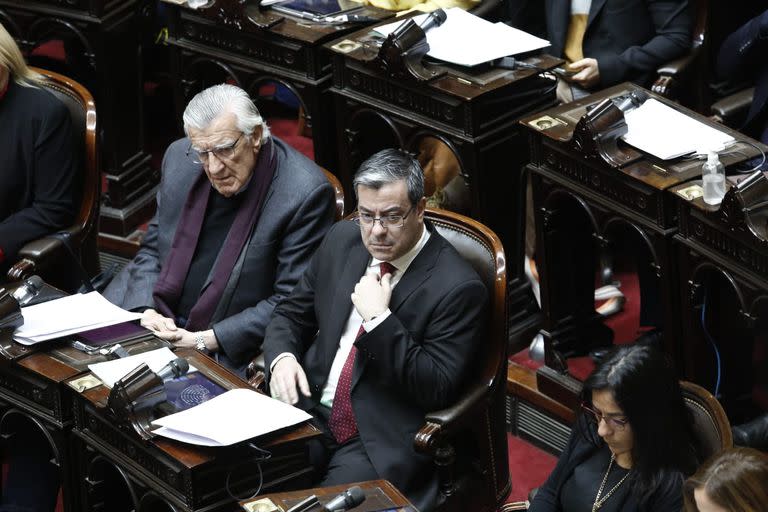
629,38
412,363
298,210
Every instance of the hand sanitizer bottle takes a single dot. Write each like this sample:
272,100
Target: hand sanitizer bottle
713,178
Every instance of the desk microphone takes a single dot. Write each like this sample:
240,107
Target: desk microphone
349,499
28,290
631,101
174,369
433,19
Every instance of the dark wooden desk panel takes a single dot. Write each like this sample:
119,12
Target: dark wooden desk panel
102,40
724,271
586,209
175,475
381,490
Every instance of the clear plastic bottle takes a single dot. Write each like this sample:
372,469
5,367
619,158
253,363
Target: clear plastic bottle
713,179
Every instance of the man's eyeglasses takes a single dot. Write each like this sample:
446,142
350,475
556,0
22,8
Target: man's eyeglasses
386,221
200,156
616,422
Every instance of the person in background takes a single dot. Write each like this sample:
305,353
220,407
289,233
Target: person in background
735,480
239,214
631,447
39,175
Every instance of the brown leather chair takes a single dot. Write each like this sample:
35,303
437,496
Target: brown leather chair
711,429
683,79
338,192
732,110
468,441
44,256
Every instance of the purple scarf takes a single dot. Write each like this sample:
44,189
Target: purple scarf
170,283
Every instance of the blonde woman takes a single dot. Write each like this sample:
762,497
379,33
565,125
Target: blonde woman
37,169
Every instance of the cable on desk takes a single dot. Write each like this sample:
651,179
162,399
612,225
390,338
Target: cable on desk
712,342
262,456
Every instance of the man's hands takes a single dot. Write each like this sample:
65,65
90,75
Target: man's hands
165,328
371,295
288,378
587,73
161,326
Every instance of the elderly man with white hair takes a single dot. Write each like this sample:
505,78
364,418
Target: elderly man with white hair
239,214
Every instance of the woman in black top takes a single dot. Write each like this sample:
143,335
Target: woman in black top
631,447
38,192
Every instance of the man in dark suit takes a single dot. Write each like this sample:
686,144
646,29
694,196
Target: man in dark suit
610,41
239,215
380,330
743,54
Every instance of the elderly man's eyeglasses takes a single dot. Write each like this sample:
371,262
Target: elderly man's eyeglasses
386,221
616,422
200,156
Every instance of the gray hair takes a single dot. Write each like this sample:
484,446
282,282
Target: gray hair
388,166
210,103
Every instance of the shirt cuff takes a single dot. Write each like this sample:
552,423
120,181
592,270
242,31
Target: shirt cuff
374,322
279,357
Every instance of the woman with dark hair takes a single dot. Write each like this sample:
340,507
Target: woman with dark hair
735,480
631,446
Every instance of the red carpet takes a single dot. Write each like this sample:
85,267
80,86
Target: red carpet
529,467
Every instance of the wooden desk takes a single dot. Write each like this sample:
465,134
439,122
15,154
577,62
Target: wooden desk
380,495
222,43
101,40
587,210
723,265
118,471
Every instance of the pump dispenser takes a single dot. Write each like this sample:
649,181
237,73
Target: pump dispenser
713,179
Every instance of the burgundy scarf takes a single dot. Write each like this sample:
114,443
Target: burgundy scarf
170,283
4,90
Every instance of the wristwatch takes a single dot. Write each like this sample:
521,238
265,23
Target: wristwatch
200,341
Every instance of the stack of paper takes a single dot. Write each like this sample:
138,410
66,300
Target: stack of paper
69,315
237,415
468,40
666,133
112,371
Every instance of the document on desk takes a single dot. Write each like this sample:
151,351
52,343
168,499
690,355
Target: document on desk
112,371
667,133
237,415
69,315
468,40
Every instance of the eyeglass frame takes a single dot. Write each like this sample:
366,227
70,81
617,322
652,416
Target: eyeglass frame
384,224
610,419
191,150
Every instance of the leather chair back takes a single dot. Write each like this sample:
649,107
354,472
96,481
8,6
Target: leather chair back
338,192
477,420
711,429
82,234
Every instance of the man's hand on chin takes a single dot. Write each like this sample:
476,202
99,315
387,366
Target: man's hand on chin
371,295
288,378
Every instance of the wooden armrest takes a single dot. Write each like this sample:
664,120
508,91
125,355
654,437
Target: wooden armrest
446,421
733,109
671,73
33,256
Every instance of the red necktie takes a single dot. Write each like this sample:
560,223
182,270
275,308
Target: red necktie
342,422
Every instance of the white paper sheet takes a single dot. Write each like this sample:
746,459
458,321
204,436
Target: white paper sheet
69,315
112,371
234,416
666,133
469,40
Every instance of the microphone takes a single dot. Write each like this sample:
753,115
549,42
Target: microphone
174,369
631,101
349,499
433,19
28,290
